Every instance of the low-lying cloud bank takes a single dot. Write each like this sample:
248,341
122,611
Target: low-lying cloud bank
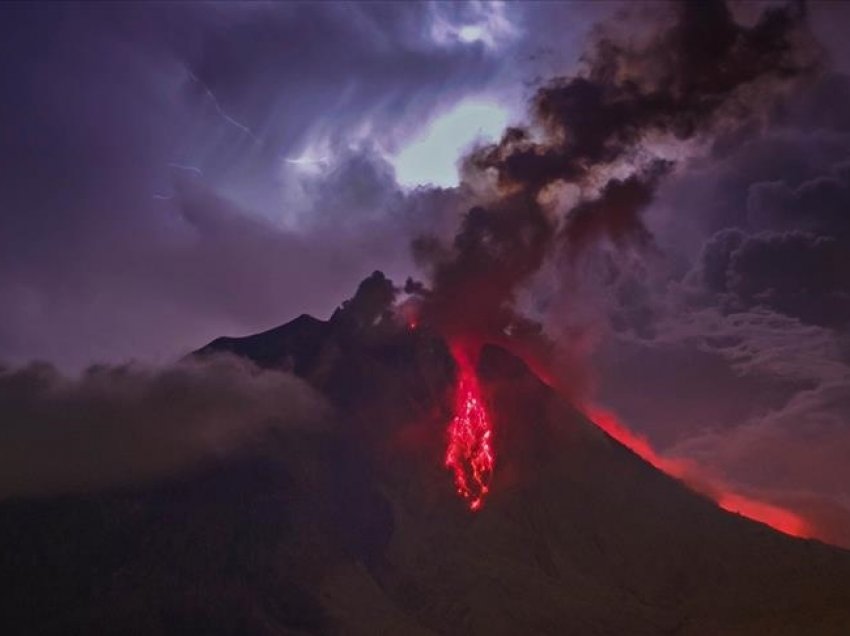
123,425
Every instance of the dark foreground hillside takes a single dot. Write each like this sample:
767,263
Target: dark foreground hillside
356,529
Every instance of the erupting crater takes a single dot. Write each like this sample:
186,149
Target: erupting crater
470,434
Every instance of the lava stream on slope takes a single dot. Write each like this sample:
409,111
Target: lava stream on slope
470,453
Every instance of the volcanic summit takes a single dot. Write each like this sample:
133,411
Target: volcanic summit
357,527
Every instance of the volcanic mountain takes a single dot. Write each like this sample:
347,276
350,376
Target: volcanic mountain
357,529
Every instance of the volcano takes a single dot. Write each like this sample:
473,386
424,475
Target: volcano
359,529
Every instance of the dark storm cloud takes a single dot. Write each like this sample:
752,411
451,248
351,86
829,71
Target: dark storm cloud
819,205
761,320
716,258
820,107
116,426
726,345
792,255
798,274
144,145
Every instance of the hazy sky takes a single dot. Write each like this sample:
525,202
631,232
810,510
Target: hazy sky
173,172
177,171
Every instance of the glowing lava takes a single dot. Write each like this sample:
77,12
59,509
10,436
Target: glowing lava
470,452
695,477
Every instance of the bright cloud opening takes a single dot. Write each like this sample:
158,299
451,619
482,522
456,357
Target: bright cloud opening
431,159
484,22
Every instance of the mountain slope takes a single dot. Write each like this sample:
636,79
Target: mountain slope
356,529
581,532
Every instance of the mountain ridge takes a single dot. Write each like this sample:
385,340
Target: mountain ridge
356,528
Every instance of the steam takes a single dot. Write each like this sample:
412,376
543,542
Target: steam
123,425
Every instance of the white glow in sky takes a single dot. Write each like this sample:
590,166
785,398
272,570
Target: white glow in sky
432,157
487,23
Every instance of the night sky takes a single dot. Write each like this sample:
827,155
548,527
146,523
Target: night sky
170,173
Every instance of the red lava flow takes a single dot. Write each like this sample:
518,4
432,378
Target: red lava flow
470,451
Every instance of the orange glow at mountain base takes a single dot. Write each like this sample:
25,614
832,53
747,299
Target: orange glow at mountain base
693,476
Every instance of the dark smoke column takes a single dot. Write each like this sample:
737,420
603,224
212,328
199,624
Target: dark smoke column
697,74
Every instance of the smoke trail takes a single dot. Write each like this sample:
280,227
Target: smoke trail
609,133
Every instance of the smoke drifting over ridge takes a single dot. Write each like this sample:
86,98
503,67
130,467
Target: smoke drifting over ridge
120,426
610,133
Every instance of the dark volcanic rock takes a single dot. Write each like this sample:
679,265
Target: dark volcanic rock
357,530
295,345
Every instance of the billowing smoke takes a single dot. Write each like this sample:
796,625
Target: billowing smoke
598,146
583,172
124,425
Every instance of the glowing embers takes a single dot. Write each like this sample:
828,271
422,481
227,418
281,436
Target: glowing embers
470,435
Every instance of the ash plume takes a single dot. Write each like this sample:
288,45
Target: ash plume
610,134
